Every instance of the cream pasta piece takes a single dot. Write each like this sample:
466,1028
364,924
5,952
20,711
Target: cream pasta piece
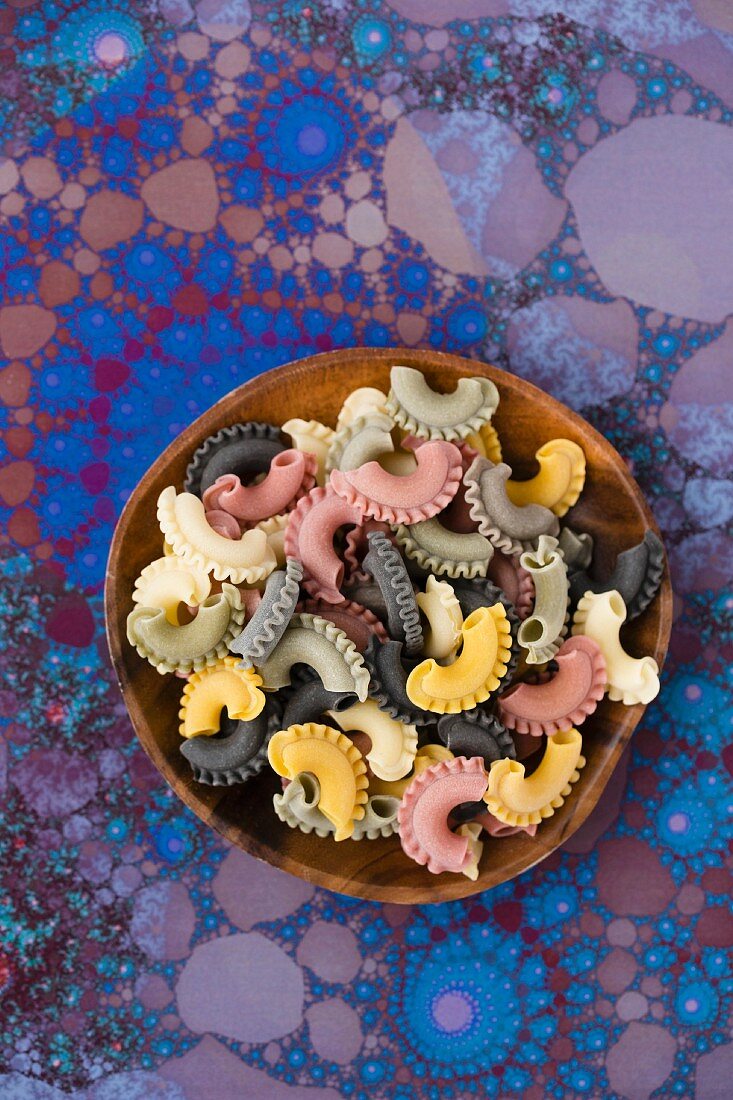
393,743
439,605
182,520
313,437
364,401
419,409
542,632
600,616
517,799
168,582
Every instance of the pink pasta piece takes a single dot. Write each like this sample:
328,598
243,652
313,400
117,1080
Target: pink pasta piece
291,475
514,580
223,524
357,622
309,538
409,499
564,700
425,807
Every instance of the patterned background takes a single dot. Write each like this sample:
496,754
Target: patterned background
190,195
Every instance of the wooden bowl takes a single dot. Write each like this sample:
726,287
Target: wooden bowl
611,508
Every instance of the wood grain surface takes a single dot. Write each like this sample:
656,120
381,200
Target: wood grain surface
611,508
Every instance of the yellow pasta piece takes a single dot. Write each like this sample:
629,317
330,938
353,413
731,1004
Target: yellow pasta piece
394,743
518,800
439,605
559,481
630,680
486,441
337,765
224,684
364,401
183,522
476,671
314,437
168,582
425,757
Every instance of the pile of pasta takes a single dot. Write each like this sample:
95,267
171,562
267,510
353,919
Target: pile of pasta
406,634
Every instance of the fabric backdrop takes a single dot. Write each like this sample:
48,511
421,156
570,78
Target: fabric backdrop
189,196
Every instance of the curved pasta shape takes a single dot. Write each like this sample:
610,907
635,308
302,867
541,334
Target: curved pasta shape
358,623
237,753
479,592
291,475
542,632
393,744
297,806
205,695
309,538
476,671
439,605
559,481
438,550
386,565
313,641
192,646
394,499
388,683
337,765
314,438
168,582
637,576
476,733
566,700
362,440
518,800
629,679
425,757
419,409
423,815
506,526
364,401
269,622
241,449
182,520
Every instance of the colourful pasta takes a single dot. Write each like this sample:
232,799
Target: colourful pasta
419,409
517,799
476,671
336,764
424,811
629,680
